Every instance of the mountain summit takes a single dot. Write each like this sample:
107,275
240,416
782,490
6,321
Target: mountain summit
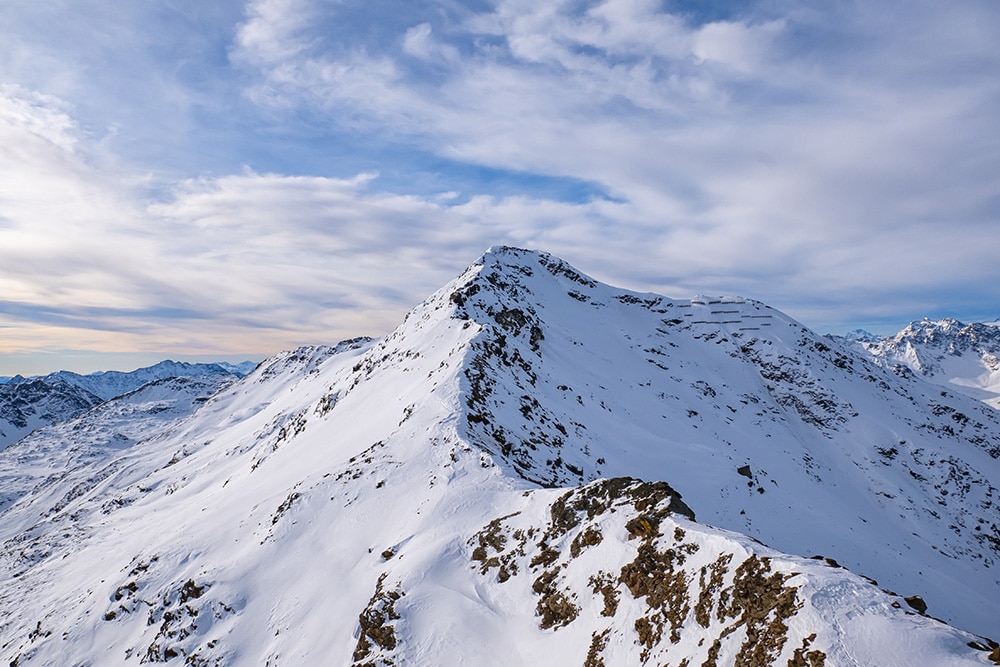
533,467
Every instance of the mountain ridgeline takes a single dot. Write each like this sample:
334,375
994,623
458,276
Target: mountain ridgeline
534,467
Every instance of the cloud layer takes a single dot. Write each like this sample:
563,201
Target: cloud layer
836,161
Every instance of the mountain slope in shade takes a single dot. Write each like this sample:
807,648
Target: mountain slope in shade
31,404
385,502
963,357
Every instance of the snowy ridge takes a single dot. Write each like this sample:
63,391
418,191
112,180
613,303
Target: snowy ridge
777,432
963,357
384,502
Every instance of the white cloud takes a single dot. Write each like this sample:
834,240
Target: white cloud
739,46
731,130
272,29
808,156
249,262
420,43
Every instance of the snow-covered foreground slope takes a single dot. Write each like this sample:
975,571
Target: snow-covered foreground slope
383,502
53,456
963,357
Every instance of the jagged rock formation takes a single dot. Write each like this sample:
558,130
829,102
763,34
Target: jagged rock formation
467,489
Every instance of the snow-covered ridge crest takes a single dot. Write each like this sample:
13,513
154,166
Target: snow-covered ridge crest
464,490
564,380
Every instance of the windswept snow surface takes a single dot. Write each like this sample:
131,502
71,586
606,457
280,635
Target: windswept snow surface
441,496
963,357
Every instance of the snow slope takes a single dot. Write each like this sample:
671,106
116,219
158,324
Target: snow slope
442,496
72,448
962,357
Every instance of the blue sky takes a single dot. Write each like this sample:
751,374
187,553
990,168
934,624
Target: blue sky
227,179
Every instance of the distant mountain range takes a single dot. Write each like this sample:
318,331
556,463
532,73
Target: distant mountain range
963,357
108,384
534,468
30,403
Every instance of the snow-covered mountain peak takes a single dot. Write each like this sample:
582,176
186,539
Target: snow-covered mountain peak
564,380
466,490
964,357
948,333
862,336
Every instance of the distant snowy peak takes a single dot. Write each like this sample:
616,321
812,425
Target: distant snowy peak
240,369
80,441
30,403
862,336
948,333
964,357
108,384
